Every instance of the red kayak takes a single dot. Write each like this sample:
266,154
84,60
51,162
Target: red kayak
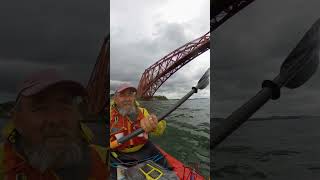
148,169
182,171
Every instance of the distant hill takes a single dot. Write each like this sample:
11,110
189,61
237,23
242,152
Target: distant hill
153,98
160,97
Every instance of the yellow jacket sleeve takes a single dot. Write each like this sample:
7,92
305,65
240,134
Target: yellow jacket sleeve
160,127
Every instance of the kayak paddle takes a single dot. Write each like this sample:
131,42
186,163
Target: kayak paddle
202,83
297,69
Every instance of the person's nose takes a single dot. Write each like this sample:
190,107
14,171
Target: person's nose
126,99
54,117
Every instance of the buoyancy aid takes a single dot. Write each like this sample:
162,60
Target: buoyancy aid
122,126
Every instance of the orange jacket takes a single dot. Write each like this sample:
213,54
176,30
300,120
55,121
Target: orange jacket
124,126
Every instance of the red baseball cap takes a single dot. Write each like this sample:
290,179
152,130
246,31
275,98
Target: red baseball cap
125,86
41,80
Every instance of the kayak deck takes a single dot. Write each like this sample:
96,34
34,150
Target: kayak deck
177,169
182,171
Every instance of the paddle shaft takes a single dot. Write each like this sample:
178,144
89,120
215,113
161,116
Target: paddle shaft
239,116
234,121
140,130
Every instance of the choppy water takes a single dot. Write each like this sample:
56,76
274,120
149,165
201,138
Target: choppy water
188,131
270,148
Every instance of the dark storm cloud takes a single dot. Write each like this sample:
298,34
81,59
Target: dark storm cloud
145,51
50,34
250,48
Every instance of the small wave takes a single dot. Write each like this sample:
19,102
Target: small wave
240,172
267,156
315,168
235,149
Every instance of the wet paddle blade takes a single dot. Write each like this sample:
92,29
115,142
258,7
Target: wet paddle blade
204,80
303,61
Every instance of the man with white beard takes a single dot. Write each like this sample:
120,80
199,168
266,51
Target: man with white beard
126,116
46,139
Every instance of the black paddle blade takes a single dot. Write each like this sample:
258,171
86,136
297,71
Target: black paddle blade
303,60
204,80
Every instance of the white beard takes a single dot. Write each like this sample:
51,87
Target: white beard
42,157
127,112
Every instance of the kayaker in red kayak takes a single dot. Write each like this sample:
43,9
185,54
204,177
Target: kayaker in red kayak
126,116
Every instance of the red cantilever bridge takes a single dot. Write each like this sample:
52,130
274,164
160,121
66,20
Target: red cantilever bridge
154,76
159,72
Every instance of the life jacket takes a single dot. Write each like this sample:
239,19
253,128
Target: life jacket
14,167
120,125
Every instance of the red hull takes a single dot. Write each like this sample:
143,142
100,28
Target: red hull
183,172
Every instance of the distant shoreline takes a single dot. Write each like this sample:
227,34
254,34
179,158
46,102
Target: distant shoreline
156,98
159,97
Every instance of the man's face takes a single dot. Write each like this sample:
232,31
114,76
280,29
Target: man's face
125,99
48,118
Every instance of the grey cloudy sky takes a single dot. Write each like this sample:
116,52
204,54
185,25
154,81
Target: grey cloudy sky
250,48
35,34
143,31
